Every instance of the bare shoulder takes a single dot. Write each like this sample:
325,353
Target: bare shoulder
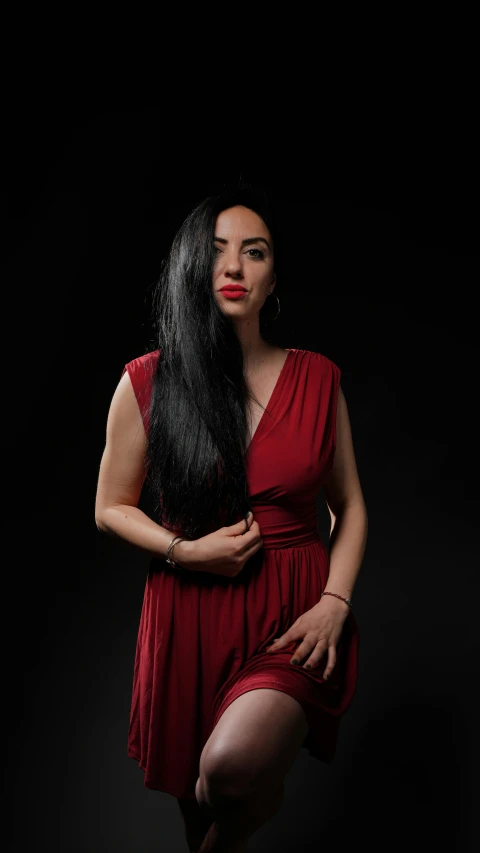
342,486
123,465
124,415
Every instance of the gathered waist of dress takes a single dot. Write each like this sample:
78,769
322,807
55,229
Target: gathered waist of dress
282,528
290,539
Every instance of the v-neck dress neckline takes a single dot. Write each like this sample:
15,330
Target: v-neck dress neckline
273,397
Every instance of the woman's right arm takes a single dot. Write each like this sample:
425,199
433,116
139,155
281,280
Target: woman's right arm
122,475
120,480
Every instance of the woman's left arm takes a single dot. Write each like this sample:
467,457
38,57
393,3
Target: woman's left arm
318,631
348,513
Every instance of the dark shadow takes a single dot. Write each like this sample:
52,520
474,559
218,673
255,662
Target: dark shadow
403,789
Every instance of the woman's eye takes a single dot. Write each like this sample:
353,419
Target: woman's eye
259,253
217,250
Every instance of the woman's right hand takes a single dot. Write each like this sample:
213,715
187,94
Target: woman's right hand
223,552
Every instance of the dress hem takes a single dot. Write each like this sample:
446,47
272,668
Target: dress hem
156,785
315,749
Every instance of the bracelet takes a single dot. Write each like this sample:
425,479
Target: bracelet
346,600
169,549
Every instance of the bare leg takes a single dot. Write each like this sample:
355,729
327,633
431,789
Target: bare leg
244,763
237,819
196,822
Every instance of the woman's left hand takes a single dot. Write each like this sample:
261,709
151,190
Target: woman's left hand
319,629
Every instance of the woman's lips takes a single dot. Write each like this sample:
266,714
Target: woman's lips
233,292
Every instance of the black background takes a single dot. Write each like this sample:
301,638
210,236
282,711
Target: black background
380,273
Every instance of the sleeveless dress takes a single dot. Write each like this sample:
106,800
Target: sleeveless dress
202,638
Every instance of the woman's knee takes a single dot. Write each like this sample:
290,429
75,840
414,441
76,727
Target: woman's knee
226,774
254,744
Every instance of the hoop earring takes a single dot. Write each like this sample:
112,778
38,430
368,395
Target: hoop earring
278,312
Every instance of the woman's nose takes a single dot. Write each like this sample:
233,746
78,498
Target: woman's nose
233,266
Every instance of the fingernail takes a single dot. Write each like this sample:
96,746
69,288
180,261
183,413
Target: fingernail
295,661
308,666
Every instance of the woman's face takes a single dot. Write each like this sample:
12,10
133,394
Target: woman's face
243,273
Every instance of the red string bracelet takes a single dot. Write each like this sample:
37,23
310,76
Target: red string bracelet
346,600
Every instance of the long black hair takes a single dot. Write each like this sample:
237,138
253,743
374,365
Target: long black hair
198,429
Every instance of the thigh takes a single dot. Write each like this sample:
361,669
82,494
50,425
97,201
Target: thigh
257,738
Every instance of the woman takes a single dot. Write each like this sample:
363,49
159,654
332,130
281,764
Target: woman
247,645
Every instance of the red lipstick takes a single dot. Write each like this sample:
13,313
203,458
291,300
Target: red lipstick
233,291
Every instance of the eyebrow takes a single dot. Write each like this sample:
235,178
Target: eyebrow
247,241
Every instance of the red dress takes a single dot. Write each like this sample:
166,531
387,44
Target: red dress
202,638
